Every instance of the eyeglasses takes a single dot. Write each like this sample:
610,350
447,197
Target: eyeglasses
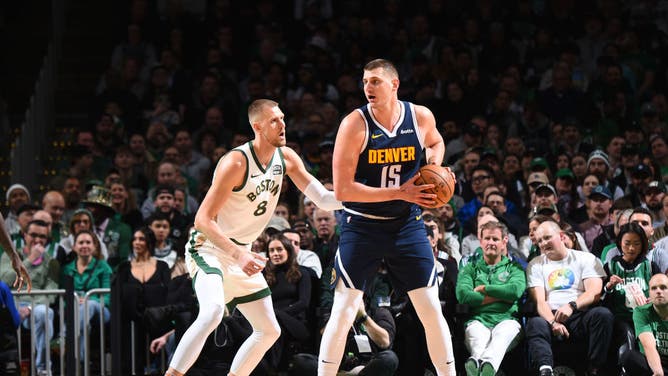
478,179
38,236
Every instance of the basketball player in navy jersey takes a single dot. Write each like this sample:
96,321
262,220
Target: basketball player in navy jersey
377,155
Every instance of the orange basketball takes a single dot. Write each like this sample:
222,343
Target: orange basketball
443,181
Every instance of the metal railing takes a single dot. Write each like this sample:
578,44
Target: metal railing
61,315
147,353
86,334
68,337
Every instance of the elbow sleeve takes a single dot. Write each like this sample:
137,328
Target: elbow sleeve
322,197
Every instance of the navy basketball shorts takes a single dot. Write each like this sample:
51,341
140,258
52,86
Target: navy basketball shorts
401,242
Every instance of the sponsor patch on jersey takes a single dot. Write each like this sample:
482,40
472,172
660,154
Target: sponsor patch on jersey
277,170
406,131
331,281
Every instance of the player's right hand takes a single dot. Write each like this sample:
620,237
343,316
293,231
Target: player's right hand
416,193
251,262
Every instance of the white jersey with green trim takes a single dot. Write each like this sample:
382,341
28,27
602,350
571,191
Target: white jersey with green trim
246,213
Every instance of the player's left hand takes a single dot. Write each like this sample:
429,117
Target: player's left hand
415,193
251,262
22,275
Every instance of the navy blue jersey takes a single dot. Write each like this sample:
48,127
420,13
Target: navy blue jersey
388,159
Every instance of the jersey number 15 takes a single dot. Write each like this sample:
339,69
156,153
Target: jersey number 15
390,176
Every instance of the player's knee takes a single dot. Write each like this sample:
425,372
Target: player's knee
211,314
272,332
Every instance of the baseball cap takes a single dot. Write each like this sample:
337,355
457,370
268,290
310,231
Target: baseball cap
546,187
537,177
656,185
600,190
538,162
544,209
565,173
598,154
278,223
163,188
641,170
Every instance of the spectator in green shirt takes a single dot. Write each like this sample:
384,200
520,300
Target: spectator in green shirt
651,323
89,271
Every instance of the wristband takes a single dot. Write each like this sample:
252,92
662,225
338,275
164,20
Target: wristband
552,323
361,319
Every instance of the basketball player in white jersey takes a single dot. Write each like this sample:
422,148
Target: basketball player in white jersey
242,198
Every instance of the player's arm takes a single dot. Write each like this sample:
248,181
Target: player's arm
229,174
21,271
653,359
307,183
433,141
347,148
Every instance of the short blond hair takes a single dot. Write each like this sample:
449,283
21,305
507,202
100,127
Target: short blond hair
386,65
256,107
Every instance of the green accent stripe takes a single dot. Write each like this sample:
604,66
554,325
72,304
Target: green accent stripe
238,242
280,154
206,268
248,298
257,161
245,174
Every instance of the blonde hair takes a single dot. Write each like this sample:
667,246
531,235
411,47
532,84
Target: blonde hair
386,65
256,108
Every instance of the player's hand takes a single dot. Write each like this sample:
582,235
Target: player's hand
452,174
21,274
251,262
563,313
415,193
480,289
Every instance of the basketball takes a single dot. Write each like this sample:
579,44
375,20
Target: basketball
443,181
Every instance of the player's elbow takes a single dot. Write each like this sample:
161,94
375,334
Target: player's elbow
200,221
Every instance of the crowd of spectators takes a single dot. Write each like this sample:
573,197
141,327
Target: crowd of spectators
552,112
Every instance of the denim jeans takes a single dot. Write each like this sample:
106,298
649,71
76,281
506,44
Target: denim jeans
94,308
39,312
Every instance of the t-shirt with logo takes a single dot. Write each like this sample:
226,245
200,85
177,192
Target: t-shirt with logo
563,280
645,319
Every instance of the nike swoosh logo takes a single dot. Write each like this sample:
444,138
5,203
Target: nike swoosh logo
255,176
376,135
326,362
417,217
